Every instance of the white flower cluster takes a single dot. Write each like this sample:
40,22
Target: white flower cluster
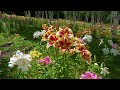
38,34
113,51
105,51
87,38
104,70
21,60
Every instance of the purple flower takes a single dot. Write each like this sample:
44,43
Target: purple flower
83,76
45,60
82,40
114,45
89,75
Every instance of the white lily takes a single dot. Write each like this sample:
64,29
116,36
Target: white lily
13,59
114,51
105,50
36,34
104,71
21,60
24,62
87,38
42,33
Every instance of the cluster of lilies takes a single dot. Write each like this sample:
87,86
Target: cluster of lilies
65,41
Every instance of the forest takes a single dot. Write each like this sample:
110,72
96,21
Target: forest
99,16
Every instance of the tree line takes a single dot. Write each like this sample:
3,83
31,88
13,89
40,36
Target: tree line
88,16
112,17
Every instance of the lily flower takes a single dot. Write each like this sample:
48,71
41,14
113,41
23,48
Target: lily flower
45,60
89,75
21,60
87,38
